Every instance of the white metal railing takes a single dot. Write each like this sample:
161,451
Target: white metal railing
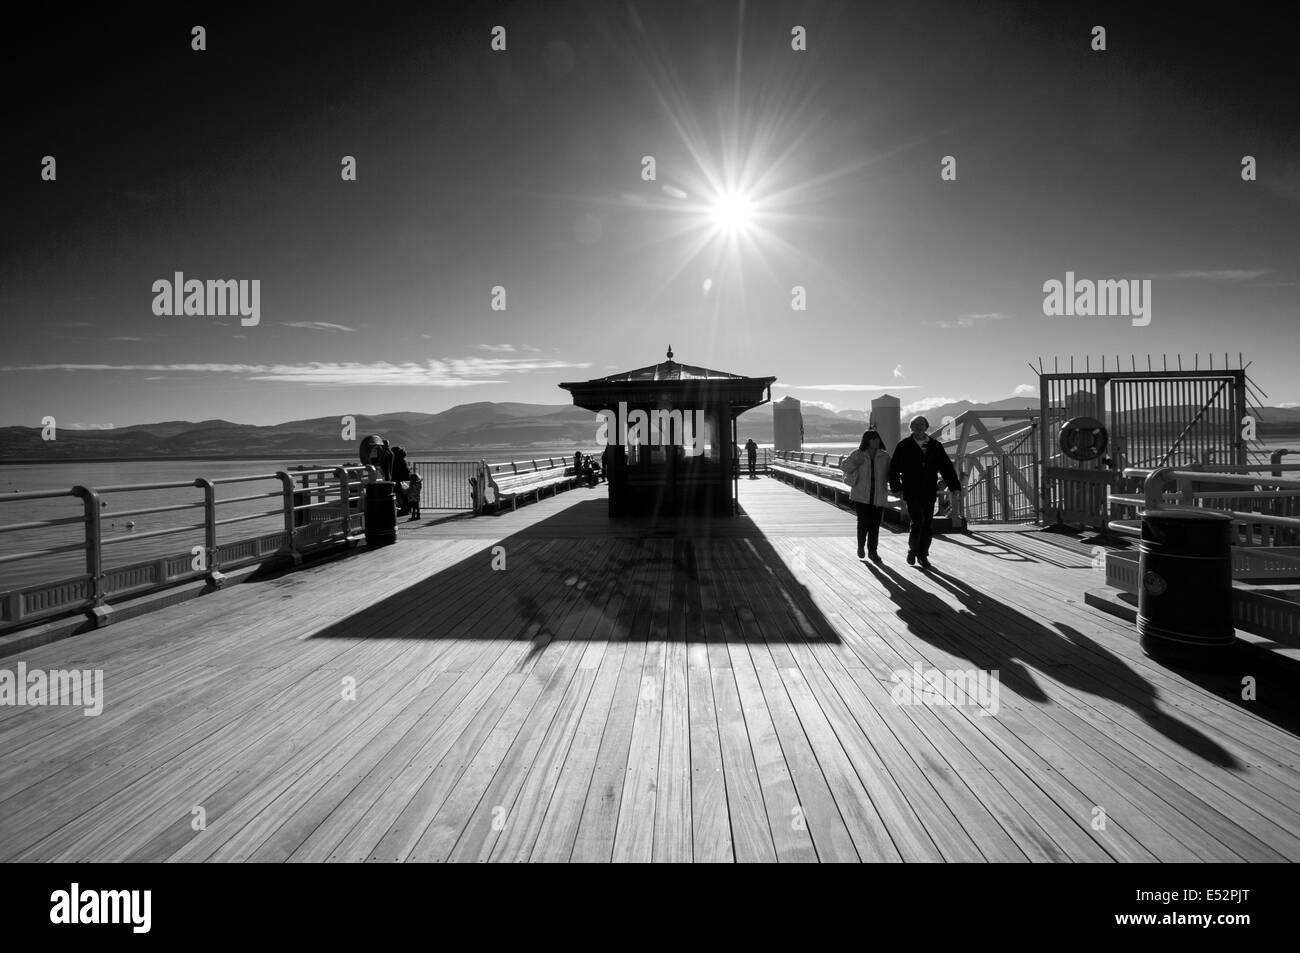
310,515
1166,488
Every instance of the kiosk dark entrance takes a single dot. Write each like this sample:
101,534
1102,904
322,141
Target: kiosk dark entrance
671,430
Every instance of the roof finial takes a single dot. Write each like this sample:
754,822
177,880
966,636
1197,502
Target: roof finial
670,352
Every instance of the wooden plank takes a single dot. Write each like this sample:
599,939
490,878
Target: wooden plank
559,830
445,795
710,824
674,826
751,835
833,799
595,678
786,815
634,835
598,826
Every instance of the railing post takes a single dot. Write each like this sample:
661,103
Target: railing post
1004,489
1154,487
957,504
214,576
345,504
101,614
290,539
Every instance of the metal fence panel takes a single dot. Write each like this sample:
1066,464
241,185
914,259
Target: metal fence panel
446,484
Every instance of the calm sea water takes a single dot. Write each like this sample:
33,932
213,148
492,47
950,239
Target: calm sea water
126,546
123,545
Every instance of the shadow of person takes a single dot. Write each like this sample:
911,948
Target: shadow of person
1128,688
933,620
982,545
1071,657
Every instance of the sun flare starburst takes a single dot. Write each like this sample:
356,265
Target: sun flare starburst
732,212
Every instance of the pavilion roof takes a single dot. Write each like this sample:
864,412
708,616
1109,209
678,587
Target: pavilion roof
670,370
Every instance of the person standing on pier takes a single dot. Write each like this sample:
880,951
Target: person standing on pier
867,471
751,449
918,464
400,474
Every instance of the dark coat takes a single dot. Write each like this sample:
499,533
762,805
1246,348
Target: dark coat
915,474
400,470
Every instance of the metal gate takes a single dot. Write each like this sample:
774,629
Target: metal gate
446,483
1187,421
992,494
1152,418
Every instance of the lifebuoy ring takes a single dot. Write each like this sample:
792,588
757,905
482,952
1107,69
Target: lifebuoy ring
1083,438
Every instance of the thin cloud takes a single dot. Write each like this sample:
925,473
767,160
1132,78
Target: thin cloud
504,348
1222,274
1024,390
123,338
317,326
89,426
458,372
969,320
898,371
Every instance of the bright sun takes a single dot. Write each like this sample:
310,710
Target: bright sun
731,212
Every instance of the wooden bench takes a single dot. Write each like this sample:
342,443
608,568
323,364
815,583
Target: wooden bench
508,482
820,471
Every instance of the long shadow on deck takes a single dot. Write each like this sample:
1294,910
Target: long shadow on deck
1275,676
995,636
580,575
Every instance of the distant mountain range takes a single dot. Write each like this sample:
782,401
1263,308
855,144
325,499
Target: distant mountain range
468,427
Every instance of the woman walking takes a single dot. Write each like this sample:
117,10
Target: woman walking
867,471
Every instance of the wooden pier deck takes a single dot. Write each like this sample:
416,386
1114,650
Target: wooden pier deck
616,692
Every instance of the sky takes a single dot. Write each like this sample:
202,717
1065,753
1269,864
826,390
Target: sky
523,169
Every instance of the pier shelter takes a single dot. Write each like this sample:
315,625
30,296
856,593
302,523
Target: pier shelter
671,431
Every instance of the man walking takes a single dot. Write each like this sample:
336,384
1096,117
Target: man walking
751,449
914,473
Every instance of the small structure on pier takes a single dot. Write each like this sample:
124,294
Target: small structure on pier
670,429
787,425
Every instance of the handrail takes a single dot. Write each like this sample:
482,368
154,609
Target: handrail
37,495
1232,479
1156,482
1247,467
91,588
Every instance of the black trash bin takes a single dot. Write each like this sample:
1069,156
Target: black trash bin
381,514
1185,599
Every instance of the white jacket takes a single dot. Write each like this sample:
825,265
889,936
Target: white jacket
860,472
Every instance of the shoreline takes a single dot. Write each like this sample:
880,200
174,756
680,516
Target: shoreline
302,456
